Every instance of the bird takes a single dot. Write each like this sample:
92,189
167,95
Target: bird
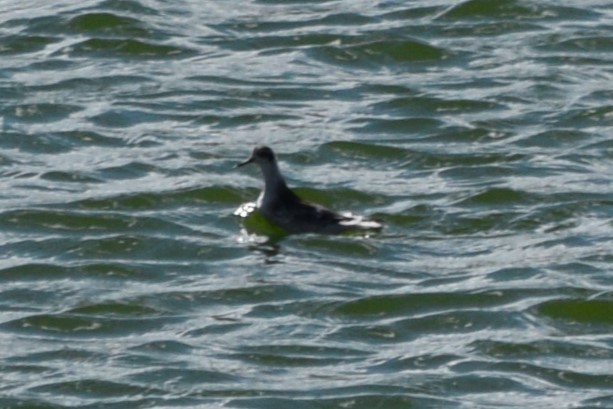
282,207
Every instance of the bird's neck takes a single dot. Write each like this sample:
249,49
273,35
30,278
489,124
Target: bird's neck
274,184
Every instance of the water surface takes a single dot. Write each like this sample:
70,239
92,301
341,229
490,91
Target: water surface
478,132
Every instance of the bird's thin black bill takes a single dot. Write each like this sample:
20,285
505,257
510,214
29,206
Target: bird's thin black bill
248,161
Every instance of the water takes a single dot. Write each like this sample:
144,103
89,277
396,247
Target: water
478,132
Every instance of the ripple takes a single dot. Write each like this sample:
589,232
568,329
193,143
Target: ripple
415,104
542,349
369,151
294,355
94,388
355,397
263,295
85,84
586,116
500,10
66,353
556,376
582,315
374,54
494,196
70,177
39,112
181,377
110,23
22,44
130,48
583,44
55,221
79,326
214,195
396,126
116,309
557,137
166,347
409,304
123,118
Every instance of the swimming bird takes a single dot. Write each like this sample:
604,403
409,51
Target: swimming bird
282,207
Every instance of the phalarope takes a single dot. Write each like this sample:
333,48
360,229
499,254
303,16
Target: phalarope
282,207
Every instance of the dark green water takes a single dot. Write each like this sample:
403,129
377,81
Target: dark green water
479,132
